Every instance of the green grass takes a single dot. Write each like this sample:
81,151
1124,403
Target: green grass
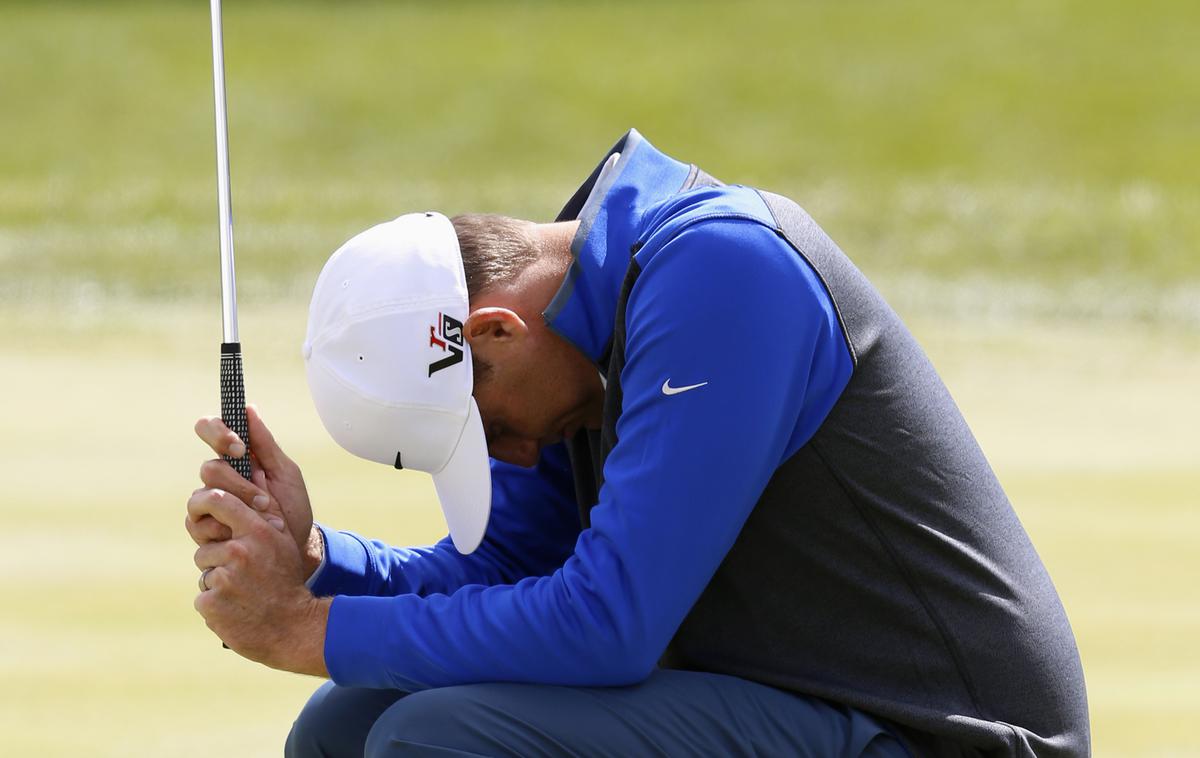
1051,143
100,650
1019,178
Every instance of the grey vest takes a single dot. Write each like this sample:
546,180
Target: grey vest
883,567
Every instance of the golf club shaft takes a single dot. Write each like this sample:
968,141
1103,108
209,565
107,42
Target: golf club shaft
233,396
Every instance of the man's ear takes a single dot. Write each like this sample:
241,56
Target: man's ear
494,325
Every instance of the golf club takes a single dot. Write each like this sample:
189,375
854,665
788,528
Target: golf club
233,395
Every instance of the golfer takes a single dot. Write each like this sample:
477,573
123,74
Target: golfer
705,493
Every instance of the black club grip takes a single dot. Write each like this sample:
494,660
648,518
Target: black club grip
233,402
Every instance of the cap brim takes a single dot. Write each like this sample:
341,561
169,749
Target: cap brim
464,486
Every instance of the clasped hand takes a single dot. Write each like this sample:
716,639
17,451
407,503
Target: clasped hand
257,547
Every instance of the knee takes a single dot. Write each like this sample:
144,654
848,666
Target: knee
448,718
312,727
335,721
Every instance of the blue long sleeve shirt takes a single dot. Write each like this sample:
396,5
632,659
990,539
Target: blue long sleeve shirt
722,305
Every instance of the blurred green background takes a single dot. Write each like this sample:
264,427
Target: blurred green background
1018,178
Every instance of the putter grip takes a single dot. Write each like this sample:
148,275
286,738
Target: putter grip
233,402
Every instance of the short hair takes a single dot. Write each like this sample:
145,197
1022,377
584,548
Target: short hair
495,249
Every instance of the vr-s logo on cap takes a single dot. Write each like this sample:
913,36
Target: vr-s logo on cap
449,337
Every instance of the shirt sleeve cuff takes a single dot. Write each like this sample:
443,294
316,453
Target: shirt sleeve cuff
360,646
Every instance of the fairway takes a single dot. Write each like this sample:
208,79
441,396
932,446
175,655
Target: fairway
99,630
1018,179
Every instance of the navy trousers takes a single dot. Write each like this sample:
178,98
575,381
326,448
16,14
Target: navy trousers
673,713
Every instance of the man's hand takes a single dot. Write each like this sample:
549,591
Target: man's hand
277,488
255,600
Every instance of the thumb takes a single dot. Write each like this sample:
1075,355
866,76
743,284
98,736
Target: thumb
226,508
262,442
272,511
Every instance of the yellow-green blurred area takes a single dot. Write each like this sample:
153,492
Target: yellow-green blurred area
1018,178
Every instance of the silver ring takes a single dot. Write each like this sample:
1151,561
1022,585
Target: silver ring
204,579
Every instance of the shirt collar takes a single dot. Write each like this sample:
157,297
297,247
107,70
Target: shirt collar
609,206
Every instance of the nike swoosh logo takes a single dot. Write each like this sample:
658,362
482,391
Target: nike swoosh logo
667,389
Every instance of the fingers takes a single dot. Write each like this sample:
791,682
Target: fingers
262,442
205,526
229,552
216,435
206,530
269,507
226,508
216,579
217,474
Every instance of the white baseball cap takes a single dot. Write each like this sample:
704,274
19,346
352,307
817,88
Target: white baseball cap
389,366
